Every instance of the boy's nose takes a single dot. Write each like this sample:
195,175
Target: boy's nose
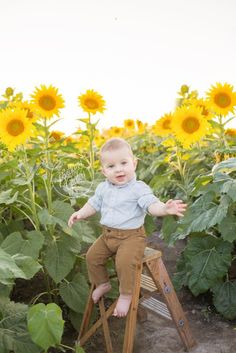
118,168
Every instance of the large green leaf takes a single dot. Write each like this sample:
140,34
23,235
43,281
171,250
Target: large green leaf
208,260
83,230
227,166
60,256
6,198
27,264
227,228
229,187
45,324
29,245
225,299
16,266
14,335
75,292
8,268
202,216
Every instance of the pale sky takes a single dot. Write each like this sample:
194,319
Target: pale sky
135,53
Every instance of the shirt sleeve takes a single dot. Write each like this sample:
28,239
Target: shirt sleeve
96,200
146,197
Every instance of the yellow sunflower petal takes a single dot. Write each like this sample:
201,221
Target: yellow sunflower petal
92,102
47,101
129,124
221,99
162,126
189,125
29,107
15,127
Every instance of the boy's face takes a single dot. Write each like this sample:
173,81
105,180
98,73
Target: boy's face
118,166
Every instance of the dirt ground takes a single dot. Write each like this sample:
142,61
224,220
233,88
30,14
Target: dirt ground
156,334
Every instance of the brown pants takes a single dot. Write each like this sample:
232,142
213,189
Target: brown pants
127,245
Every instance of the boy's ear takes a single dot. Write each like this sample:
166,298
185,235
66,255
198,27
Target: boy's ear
135,162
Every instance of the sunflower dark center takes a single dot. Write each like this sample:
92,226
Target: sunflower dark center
91,103
166,124
47,102
190,124
222,99
15,127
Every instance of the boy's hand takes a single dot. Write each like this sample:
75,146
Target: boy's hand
73,218
175,207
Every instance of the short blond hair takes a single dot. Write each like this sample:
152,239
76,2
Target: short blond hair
115,143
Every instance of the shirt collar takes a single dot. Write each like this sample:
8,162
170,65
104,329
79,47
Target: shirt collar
132,181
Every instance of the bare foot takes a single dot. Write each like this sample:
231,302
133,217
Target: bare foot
100,291
122,306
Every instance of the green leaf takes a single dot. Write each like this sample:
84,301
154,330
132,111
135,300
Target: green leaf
5,197
201,217
45,218
75,293
16,266
227,228
29,245
224,299
169,226
149,225
45,324
60,256
5,290
228,166
27,264
14,335
208,260
79,349
8,268
229,188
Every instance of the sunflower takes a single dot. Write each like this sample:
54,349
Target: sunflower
141,126
47,101
221,99
129,124
162,126
231,132
56,135
201,103
92,102
189,125
15,127
29,107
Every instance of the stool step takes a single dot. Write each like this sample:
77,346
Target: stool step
156,306
147,283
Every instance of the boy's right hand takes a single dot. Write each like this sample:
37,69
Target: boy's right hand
74,218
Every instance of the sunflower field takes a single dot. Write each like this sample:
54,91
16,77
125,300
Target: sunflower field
189,153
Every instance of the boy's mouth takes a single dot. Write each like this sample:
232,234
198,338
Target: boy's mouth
120,177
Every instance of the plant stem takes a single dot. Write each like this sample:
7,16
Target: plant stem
31,193
91,151
48,168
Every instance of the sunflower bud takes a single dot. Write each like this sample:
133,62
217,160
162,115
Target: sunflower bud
184,89
9,92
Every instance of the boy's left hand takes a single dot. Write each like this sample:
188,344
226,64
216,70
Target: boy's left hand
176,207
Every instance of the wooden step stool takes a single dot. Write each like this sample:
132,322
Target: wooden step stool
159,279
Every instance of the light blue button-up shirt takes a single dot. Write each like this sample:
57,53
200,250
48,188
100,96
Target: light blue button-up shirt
122,206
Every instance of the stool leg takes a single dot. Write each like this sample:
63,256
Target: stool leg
161,278
105,326
87,313
132,315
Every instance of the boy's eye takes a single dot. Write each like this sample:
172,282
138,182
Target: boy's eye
124,162
111,166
